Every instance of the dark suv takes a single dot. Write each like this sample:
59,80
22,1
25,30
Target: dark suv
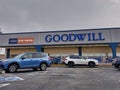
116,63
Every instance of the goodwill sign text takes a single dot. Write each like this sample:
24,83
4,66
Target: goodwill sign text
74,37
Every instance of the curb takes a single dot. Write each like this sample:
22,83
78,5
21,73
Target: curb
57,65
105,64
100,64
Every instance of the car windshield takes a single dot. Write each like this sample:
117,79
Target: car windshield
18,56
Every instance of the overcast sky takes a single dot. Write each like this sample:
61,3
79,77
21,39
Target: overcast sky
53,15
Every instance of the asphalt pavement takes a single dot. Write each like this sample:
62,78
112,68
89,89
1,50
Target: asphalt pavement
63,78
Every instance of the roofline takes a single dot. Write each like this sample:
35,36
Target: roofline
63,31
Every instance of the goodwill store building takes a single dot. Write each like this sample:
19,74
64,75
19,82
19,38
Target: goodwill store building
89,42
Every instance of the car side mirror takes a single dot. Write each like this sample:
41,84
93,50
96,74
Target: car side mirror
22,58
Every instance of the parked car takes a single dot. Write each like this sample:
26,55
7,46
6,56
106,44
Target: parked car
116,63
74,60
32,60
55,60
0,66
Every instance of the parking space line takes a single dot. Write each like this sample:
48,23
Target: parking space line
32,74
10,78
3,85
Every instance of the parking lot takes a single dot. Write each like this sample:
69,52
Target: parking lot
62,78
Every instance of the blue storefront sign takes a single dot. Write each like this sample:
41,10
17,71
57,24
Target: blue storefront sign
13,41
74,37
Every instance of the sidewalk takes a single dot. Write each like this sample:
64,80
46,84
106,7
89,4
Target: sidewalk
105,64
100,64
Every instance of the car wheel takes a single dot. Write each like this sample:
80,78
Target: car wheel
43,66
70,64
12,68
91,64
35,69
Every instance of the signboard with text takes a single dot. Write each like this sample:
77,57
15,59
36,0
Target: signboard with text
2,51
21,40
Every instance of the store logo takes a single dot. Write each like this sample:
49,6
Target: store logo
13,41
21,40
73,37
